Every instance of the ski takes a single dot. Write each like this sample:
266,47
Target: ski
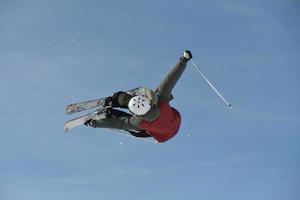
81,106
95,115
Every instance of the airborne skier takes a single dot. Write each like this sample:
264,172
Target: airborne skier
152,115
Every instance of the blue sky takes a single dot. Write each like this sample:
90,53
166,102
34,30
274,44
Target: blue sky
53,53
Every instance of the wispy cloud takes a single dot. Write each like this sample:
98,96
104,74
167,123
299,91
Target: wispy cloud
242,9
111,175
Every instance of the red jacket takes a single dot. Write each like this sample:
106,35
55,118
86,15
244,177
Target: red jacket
166,125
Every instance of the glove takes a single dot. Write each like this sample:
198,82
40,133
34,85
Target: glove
187,55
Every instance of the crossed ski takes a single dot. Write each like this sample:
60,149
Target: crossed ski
97,114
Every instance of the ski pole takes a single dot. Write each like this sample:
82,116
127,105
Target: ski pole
211,85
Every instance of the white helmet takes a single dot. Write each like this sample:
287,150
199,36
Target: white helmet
139,105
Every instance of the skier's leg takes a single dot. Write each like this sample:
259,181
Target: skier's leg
134,120
117,120
165,88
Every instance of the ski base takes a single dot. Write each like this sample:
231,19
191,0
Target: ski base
96,115
81,106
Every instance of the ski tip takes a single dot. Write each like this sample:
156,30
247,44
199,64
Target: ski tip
68,111
66,129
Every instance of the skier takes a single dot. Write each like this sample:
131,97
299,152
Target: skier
152,115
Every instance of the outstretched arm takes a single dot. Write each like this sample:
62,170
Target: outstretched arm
165,88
